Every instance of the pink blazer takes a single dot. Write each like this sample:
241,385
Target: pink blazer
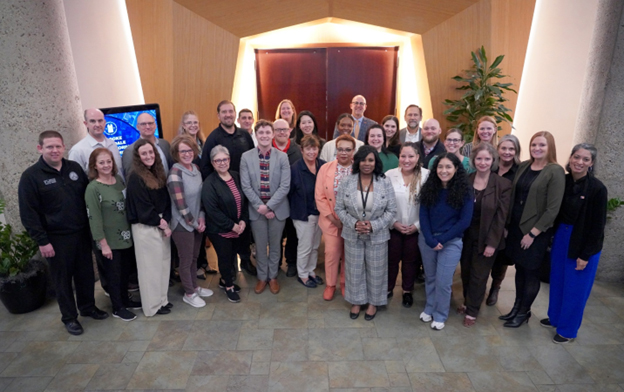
325,198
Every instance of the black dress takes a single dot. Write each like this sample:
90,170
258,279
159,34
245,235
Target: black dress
528,258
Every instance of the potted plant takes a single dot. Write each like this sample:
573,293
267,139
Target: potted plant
22,278
483,96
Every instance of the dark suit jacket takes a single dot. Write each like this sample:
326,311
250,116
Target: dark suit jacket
494,209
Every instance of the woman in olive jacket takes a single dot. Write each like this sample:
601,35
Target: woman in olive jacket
536,196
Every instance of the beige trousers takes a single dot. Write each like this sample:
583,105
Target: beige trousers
153,258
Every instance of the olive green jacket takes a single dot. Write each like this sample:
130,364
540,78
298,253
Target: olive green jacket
544,199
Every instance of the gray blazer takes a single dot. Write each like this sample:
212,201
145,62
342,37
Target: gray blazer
382,214
403,133
279,179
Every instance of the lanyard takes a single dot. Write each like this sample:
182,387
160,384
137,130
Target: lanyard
364,199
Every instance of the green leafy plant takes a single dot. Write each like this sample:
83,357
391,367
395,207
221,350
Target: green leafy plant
16,250
484,96
612,205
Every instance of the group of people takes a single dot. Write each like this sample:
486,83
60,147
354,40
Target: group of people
383,199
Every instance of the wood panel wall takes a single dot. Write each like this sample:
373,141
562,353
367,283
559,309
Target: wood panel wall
205,58
185,62
501,26
152,34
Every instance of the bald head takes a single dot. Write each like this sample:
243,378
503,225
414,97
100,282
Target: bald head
95,123
358,106
146,124
431,131
281,131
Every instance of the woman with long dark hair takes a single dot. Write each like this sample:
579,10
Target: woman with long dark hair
407,181
366,207
577,244
149,213
445,212
390,125
509,160
536,196
485,236
306,125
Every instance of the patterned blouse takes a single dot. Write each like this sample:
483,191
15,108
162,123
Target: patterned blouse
341,172
237,197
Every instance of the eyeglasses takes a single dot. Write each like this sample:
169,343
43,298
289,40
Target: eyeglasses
184,152
145,124
359,103
453,140
191,123
221,161
344,150
282,130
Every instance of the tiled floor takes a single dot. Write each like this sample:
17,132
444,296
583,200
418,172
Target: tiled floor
295,341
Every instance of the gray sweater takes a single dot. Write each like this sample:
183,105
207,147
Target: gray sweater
185,190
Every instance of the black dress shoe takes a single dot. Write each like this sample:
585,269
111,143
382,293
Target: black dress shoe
492,299
355,315
390,293
168,306
247,266
408,300
291,271
74,327
517,321
163,310
369,317
95,314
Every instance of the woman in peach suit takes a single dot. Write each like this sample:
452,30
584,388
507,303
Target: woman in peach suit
327,182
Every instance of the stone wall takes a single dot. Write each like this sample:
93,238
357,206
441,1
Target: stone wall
38,88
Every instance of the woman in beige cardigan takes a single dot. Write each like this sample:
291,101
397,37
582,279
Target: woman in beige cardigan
536,196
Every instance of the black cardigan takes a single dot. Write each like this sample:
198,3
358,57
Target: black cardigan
588,229
145,205
220,206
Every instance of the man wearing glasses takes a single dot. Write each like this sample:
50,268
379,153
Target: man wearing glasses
361,125
146,124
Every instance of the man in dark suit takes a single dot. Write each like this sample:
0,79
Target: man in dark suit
361,125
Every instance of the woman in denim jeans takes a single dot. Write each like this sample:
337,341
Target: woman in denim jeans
445,213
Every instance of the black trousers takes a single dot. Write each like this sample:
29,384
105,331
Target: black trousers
475,270
116,273
527,287
226,249
292,242
244,242
72,262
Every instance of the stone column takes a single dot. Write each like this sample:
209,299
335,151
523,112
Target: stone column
601,122
38,87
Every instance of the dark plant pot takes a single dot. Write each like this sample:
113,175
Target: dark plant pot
24,295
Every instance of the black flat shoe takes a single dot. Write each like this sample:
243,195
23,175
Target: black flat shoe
74,327
517,321
95,314
163,310
546,323
291,270
369,317
558,339
408,300
355,315
390,293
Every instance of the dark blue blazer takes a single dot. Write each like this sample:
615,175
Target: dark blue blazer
297,197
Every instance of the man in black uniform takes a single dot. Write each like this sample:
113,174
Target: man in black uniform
237,141
53,211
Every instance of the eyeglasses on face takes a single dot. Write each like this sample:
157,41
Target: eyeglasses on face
145,124
221,161
359,103
344,150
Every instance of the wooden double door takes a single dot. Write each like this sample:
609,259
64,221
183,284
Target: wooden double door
324,80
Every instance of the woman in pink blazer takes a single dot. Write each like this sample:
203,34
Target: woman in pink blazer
327,182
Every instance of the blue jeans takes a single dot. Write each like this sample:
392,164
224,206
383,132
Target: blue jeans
439,268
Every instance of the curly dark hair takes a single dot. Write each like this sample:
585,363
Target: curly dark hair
458,186
154,177
363,153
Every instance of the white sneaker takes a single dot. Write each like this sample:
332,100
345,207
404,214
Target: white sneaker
437,326
425,318
202,292
194,300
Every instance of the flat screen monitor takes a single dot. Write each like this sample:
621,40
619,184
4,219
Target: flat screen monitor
121,123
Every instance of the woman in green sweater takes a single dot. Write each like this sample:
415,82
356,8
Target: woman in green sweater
106,206
376,137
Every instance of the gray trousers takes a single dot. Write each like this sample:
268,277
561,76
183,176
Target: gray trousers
267,233
366,272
